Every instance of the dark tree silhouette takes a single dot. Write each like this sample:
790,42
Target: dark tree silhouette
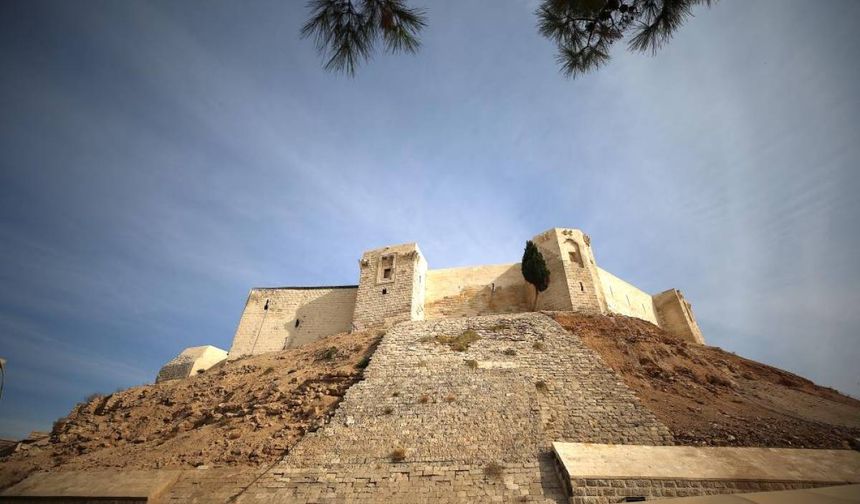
347,31
534,269
584,30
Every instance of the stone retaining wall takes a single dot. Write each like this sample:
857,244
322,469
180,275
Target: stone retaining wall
473,425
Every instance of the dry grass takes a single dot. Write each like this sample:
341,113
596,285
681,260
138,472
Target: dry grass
459,343
329,353
494,470
450,398
424,399
397,455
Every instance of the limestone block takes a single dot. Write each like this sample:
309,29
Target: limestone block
191,361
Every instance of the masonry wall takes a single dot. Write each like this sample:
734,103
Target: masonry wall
476,290
191,361
557,295
606,491
676,316
525,383
574,281
385,301
295,316
626,299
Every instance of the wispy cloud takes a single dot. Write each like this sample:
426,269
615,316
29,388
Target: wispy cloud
158,159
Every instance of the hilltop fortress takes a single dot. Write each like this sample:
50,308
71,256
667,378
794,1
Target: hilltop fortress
396,285
424,386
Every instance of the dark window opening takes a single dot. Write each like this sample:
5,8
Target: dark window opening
581,287
634,499
574,254
385,291
297,323
385,272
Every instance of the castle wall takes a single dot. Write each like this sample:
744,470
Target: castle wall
395,285
626,299
676,316
295,316
476,290
384,298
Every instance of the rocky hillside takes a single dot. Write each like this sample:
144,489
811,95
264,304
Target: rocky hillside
708,396
244,413
252,411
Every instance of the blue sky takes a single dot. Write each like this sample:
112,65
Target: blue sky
158,159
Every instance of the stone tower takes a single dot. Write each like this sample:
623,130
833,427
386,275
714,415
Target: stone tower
574,283
391,286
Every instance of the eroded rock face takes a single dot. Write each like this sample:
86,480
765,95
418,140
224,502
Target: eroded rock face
245,413
711,397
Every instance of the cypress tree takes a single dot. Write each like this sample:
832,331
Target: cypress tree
534,269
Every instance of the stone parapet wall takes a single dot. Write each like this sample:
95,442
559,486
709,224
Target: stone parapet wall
607,491
279,318
606,473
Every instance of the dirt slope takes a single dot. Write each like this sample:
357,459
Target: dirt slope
708,396
244,413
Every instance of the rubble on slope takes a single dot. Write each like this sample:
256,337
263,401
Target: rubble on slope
243,413
708,396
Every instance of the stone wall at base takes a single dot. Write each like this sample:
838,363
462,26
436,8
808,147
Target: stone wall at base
523,383
608,491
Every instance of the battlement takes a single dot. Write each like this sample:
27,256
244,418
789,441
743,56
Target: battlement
396,285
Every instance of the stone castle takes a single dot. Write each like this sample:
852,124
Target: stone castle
396,285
